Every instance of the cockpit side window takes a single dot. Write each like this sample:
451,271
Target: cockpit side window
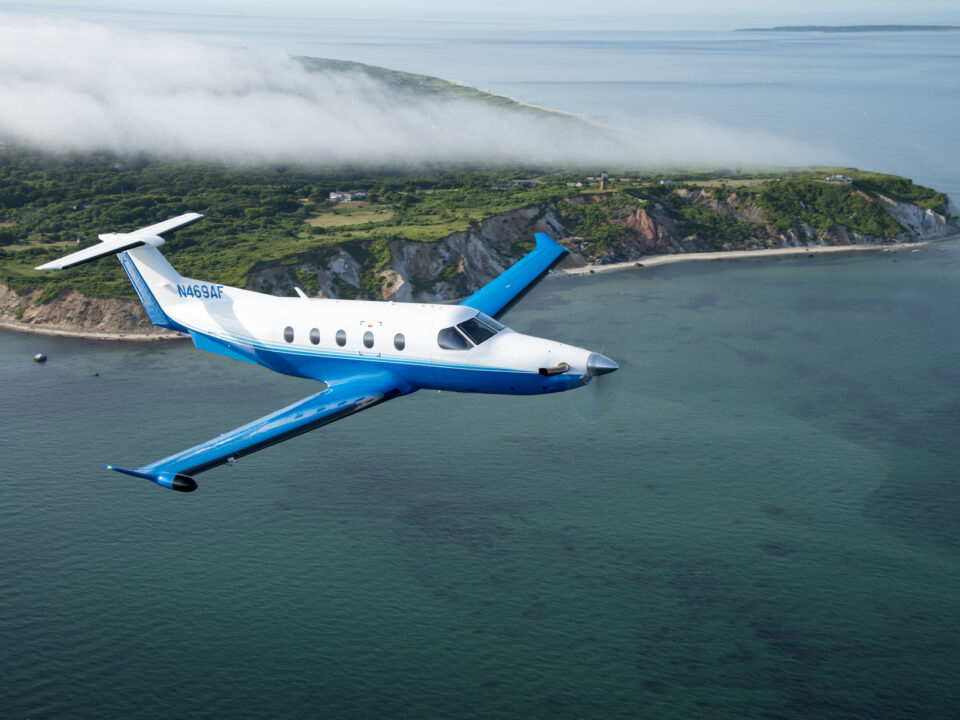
451,339
476,330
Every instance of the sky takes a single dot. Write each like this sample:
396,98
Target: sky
656,14
577,7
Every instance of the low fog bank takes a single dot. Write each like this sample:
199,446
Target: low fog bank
67,85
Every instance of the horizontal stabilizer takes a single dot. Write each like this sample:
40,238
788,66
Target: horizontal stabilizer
113,243
116,244
501,293
166,228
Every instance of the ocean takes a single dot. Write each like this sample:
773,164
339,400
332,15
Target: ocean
755,518
762,523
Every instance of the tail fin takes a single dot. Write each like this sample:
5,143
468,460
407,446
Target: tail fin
143,263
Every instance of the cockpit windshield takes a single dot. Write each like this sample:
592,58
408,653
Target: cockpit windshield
487,320
478,329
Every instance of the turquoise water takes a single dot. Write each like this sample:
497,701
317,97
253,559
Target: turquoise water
762,525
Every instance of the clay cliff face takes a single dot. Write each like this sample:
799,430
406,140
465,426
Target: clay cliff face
73,312
423,272
661,230
461,263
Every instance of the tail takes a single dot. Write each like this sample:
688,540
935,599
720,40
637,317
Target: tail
143,263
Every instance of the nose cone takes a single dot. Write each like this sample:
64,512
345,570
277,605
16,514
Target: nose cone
598,364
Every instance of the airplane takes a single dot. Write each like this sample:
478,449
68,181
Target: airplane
364,352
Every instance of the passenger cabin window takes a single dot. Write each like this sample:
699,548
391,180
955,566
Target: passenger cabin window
315,336
341,337
451,339
399,341
368,339
288,334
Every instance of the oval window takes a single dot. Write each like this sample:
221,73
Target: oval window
315,336
341,337
288,334
368,339
399,341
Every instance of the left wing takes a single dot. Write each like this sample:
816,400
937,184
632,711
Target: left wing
336,402
501,293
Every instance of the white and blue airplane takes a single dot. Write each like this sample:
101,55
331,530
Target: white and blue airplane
365,352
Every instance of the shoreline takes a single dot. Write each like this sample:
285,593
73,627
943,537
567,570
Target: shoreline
654,260
646,261
89,334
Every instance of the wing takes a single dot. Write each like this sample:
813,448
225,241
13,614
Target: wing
499,295
336,402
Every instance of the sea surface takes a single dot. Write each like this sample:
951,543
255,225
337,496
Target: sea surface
763,522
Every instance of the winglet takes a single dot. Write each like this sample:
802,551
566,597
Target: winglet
170,480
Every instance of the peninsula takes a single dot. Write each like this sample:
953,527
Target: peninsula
424,236
852,28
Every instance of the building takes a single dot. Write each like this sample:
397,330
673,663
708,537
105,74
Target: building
345,195
839,179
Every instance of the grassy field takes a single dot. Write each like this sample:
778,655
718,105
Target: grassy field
354,212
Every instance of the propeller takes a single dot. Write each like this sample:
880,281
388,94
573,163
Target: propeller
594,402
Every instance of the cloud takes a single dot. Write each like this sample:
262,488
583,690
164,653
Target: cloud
68,85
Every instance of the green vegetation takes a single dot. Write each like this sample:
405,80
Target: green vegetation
259,217
52,205
350,213
720,230
898,188
593,221
417,86
788,203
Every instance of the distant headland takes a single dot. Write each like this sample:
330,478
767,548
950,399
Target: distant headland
853,28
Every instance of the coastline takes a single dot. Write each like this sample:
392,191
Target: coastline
646,261
90,335
654,260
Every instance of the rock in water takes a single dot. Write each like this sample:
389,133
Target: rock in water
39,357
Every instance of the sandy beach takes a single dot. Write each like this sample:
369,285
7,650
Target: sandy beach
654,260
89,335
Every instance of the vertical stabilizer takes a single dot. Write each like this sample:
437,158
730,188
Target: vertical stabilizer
147,269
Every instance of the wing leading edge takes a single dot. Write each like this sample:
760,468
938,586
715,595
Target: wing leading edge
336,402
500,294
